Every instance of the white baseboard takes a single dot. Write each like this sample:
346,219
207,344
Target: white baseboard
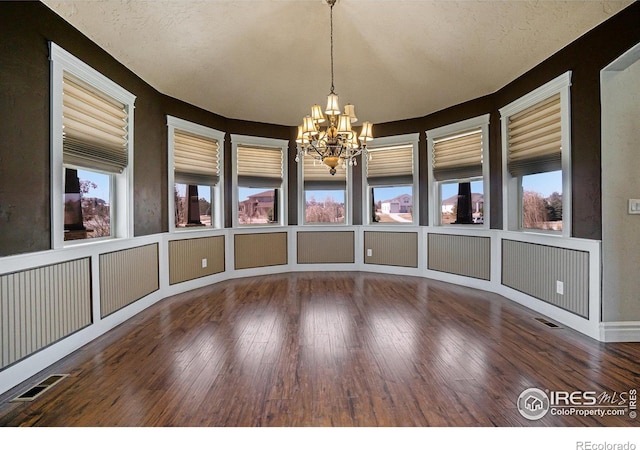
620,331
588,327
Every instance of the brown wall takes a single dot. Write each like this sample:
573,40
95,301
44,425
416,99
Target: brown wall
26,28
585,57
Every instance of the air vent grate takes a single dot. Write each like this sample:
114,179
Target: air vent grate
40,388
547,323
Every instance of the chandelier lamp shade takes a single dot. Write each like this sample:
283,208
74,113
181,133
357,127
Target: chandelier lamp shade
327,136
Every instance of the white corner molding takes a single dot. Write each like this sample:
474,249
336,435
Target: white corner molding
620,331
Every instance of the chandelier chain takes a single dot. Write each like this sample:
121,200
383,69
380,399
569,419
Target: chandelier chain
331,21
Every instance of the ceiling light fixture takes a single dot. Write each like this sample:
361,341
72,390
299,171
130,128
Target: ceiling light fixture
337,144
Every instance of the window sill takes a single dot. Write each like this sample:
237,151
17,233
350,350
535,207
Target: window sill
90,241
466,226
550,233
190,229
324,224
258,225
392,224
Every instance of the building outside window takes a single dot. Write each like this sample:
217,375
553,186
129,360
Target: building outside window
537,159
259,171
391,180
196,159
91,152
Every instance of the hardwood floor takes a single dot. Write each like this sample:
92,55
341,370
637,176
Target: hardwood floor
326,349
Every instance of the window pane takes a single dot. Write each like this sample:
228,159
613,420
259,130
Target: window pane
87,204
192,205
257,206
392,204
542,201
324,206
462,202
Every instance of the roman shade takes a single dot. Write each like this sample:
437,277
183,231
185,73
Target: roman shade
316,176
458,156
95,134
259,167
390,165
534,138
196,159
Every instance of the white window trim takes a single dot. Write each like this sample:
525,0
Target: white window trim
413,139
217,192
240,140
511,188
433,192
122,185
348,194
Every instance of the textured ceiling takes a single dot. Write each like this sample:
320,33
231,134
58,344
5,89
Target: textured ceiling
268,61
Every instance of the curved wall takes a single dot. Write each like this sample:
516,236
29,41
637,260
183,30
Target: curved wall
27,27
174,266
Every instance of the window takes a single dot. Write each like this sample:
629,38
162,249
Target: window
196,156
259,191
391,187
536,159
91,153
323,194
457,172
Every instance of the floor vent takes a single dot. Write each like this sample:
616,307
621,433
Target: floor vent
547,323
40,388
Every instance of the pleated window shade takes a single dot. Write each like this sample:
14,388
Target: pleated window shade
458,156
535,140
196,159
259,167
317,176
95,131
390,166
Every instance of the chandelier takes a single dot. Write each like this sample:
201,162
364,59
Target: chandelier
336,144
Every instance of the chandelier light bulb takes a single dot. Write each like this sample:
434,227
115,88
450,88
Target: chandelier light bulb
308,128
316,114
344,124
350,110
367,132
333,108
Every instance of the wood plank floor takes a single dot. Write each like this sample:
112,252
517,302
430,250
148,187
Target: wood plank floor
326,349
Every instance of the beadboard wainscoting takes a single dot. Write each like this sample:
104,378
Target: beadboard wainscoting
52,303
